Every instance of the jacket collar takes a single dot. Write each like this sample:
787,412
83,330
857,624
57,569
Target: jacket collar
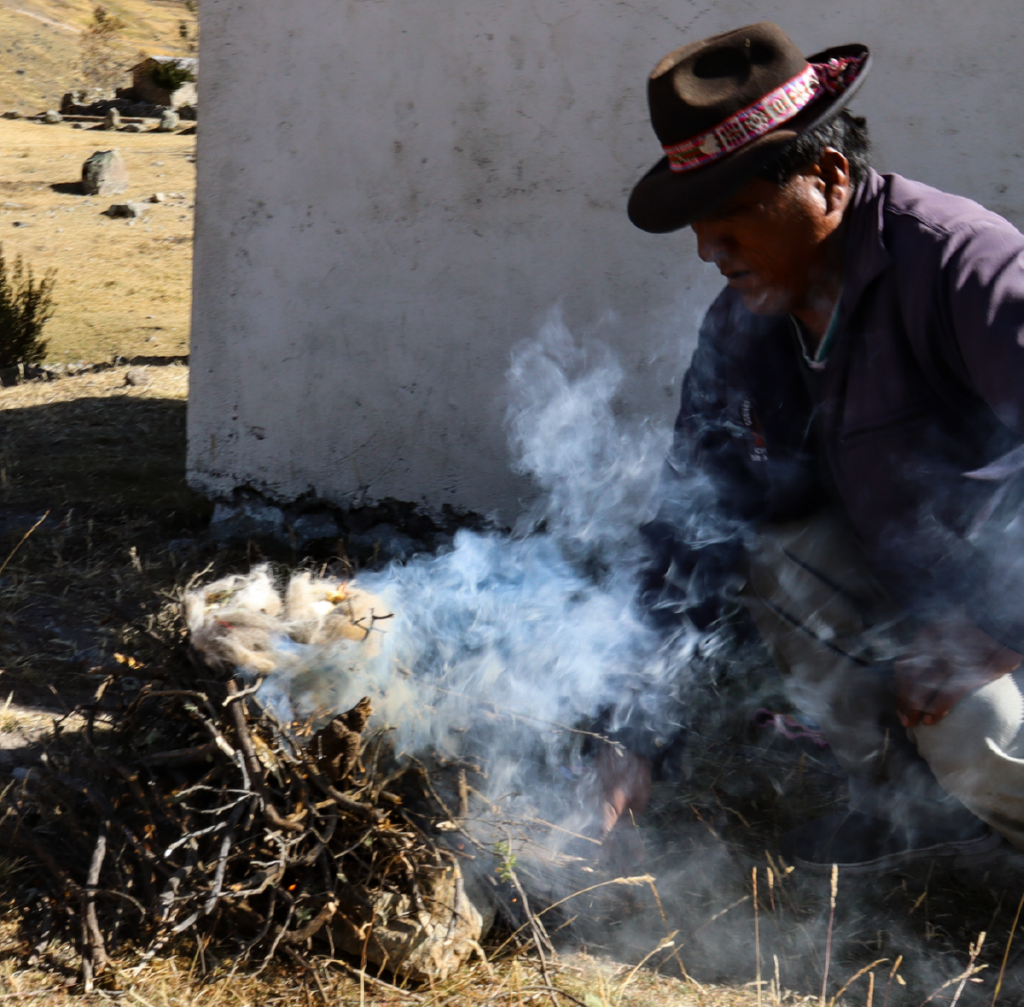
866,254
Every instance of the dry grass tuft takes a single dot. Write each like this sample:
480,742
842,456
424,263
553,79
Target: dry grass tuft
202,977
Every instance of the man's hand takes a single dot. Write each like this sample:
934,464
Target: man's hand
944,663
624,785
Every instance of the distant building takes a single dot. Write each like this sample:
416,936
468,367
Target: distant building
146,89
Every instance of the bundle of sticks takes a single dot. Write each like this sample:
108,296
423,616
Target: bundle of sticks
192,812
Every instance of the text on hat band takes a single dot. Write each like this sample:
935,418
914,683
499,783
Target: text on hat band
765,114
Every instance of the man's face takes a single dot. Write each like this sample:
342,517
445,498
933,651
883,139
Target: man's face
770,241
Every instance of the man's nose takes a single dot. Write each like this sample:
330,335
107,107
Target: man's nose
711,247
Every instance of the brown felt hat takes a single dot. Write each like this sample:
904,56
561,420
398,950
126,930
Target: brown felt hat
723,107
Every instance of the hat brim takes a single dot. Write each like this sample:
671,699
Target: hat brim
665,200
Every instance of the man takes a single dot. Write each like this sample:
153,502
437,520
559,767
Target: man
848,444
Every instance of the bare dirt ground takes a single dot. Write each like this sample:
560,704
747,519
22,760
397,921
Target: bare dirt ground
123,286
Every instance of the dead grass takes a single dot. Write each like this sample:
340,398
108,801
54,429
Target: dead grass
163,383
36,62
123,286
202,977
39,44
107,462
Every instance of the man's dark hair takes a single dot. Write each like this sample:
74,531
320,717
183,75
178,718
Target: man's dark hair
845,132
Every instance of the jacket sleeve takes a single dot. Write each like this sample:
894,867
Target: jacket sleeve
983,299
694,544
743,453
981,310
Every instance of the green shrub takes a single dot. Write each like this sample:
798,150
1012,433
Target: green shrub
171,75
25,307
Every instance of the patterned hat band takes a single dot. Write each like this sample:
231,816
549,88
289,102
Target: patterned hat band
765,114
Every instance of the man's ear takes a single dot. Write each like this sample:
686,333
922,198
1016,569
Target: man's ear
835,173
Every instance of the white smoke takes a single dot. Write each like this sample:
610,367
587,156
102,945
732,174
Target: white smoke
495,642
596,472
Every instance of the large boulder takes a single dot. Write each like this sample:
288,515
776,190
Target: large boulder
104,174
52,116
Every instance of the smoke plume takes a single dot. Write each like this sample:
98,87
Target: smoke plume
499,644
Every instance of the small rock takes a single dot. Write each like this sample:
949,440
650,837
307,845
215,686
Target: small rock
104,174
13,114
11,206
126,210
130,128
51,115
113,119
10,376
169,121
76,125
136,377
158,197
21,223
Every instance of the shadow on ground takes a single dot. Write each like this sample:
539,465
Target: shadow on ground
109,474
121,453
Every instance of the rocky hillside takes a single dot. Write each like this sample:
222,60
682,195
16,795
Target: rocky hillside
40,43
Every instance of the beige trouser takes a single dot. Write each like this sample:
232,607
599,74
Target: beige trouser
833,634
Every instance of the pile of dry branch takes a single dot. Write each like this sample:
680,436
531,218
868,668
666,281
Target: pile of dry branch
184,809
193,811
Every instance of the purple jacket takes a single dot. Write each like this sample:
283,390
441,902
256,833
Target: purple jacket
923,388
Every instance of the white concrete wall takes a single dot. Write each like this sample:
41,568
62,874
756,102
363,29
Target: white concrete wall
393,192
